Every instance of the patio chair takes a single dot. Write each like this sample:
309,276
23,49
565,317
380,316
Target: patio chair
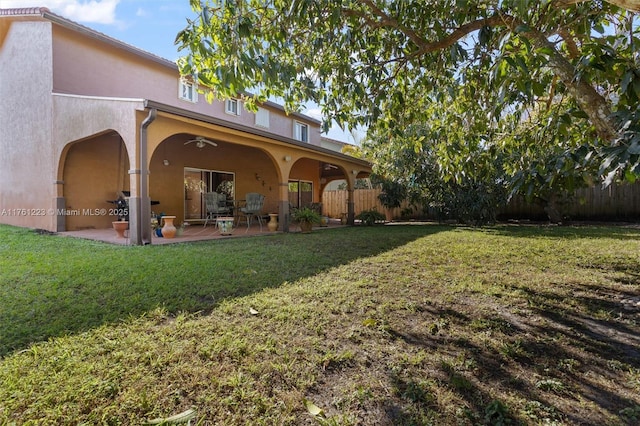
252,208
216,205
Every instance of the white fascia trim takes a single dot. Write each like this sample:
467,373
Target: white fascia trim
97,98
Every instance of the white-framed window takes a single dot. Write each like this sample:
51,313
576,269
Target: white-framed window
262,117
232,106
300,131
188,91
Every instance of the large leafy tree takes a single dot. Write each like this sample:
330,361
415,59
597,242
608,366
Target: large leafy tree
385,64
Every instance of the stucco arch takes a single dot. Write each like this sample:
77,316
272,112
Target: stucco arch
91,171
255,168
327,169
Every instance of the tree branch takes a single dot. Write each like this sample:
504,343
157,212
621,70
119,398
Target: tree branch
592,103
569,41
631,5
424,46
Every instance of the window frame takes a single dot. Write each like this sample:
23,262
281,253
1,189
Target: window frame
297,194
231,111
298,132
191,88
209,181
265,120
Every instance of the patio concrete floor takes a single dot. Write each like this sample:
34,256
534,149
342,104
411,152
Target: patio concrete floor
195,232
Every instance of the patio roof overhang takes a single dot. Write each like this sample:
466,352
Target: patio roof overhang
161,121
312,151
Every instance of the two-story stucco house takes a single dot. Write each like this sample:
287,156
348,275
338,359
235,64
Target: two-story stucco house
84,116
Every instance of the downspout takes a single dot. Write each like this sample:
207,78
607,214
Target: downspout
144,213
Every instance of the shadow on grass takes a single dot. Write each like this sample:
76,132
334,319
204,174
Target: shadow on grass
578,231
552,357
52,286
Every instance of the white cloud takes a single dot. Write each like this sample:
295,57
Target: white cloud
141,12
92,11
314,113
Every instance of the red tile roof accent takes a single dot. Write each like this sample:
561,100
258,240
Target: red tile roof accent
24,11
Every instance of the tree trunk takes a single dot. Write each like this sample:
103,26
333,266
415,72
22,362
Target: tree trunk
553,209
588,99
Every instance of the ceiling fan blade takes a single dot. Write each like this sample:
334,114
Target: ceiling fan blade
200,142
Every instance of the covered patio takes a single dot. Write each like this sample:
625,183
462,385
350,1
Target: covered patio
174,160
191,233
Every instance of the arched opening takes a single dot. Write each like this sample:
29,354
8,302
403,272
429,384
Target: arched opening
95,172
183,170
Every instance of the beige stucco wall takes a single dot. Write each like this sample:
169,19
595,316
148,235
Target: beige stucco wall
88,66
166,182
95,141
71,108
307,170
26,161
94,171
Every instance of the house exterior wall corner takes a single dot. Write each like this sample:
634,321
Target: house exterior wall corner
27,175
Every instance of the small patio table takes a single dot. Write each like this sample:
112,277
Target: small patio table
225,224
236,205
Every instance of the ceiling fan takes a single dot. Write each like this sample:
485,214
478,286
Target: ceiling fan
328,167
201,142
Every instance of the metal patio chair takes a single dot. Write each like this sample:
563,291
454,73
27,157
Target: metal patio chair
252,208
216,205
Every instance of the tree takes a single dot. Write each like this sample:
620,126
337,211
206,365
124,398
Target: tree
632,5
383,63
445,165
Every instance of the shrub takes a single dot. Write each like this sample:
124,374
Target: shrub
370,217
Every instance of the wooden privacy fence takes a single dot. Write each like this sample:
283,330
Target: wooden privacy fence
621,202
334,203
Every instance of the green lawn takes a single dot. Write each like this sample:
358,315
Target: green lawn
393,325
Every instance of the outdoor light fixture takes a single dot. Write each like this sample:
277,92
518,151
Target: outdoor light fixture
165,162
287,158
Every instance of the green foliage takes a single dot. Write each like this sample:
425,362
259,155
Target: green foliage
305,214
393,193
473,203
395,64
631,413
465,185
497,414
370,217
622,160
360,184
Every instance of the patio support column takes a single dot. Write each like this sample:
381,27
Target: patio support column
60,205
283,207
140,206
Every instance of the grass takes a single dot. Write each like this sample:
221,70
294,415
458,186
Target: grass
394,325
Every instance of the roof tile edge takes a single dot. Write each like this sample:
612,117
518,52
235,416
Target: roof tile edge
24,11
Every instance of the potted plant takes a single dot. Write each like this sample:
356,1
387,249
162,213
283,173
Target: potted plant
306,217
180,229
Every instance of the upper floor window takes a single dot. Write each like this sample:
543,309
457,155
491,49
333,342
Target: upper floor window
262,117
232,106
301,132
187,91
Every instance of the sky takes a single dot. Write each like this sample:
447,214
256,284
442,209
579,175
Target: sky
150,25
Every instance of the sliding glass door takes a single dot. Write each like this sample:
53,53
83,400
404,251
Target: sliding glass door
199,181
300,193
